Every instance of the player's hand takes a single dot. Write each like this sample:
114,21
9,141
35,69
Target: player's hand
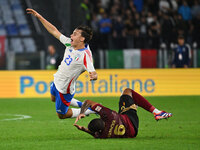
93,75
78,127
32,11
78,118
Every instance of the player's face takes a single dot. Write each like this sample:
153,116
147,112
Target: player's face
181,41
76,38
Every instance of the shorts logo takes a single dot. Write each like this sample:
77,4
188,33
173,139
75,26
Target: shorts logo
59,110
98,108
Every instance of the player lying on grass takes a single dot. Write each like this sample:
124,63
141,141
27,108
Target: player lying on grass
123,124
76,60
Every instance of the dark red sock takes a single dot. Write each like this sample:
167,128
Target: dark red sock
142,102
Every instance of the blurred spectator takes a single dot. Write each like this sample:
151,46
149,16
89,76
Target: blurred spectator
94,43
132,7
168,6
152,6
118,34
52,59
143,27
129,28
181,54
86,12
138,4
165,19
167,24
195,10
105,30
185,11
154,33
196,30
181,26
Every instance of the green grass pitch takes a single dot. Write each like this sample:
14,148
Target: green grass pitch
44,131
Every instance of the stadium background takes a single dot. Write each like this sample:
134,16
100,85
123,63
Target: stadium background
135,52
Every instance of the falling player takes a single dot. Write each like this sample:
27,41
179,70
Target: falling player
123,124
77,58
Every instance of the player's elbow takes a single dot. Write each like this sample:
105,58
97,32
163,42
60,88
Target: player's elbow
55,33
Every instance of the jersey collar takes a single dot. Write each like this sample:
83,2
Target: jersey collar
82,49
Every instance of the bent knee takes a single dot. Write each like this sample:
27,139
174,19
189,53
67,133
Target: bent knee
64,116
127,91
61,116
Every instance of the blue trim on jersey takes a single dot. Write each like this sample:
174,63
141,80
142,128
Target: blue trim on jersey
82,49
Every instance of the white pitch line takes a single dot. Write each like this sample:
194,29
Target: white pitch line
16,117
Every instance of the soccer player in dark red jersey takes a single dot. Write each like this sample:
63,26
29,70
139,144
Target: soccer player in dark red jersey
123,124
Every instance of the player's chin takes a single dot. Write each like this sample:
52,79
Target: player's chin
72,44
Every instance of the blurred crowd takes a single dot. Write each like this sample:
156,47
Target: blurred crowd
121,24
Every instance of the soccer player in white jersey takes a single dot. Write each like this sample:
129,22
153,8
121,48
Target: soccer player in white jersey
77,59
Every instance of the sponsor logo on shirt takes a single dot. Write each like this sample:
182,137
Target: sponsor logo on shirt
98,108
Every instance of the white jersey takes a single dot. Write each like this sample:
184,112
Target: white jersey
73,64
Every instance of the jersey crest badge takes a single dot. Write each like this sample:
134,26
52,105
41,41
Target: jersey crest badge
77,57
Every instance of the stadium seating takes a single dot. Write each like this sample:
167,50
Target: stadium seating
29,44
16,45
14,25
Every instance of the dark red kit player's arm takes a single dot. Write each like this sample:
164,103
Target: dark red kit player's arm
84,107
83,129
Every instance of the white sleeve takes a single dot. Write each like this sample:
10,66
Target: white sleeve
65,40
89,63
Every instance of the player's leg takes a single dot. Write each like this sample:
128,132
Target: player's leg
72,113
142,102
76,103
128,107
63,101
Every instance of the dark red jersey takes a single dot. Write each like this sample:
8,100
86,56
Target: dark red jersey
116,125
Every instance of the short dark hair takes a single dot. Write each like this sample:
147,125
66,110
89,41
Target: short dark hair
87,32
181,37
96,125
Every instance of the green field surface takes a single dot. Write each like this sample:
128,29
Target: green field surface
44,131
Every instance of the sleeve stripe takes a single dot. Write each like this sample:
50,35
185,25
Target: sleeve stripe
85,61
89,54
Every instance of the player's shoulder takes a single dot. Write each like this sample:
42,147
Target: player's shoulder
69,49
97,107
102,110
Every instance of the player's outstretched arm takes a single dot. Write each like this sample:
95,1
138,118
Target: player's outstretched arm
83,129
50,28
84,107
